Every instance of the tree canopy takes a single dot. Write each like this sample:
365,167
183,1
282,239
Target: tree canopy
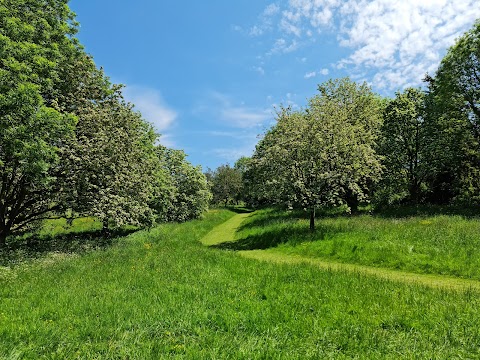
323,154
402,144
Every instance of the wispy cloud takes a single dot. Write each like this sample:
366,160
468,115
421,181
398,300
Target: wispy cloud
231,155
234,115
265,21
396,42
313,74
259,69
282,46
151,105
167,140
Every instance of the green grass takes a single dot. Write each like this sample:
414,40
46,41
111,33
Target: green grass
162,294
225,232
78,225
435,244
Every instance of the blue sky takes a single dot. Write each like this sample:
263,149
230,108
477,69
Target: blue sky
208,74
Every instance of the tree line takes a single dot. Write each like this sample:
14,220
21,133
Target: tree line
70,144
352,146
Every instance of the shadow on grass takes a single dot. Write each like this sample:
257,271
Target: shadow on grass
239,209
277,236
276,226
427,210
38,246
272,217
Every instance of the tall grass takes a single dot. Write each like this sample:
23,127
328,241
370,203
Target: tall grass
161,294
441,244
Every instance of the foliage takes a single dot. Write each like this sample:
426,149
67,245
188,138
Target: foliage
402,146
323,155
182,191
226,184
33,132
454,121
112,165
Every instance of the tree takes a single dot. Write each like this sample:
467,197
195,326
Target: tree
112,164
34,133
227,184
453,121
31,137
242,165
402,145
183,192
317,156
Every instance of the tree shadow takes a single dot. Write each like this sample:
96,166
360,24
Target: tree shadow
281,229
38,246
262,220
239,209
276,237
404,211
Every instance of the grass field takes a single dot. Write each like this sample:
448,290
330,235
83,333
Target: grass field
162,294
423,243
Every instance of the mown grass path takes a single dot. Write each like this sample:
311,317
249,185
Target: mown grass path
226,233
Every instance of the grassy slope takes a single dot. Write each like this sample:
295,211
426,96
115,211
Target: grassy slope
164,295
437,244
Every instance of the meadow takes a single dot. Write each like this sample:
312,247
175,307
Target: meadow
162,294
423,240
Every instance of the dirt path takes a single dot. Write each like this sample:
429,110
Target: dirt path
226,233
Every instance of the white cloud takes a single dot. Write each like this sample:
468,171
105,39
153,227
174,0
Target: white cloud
312,74
167,140
397,41
256,31
239,116
403,41
242,117
151,105
271,10
231,155
283,46
259,69
265,21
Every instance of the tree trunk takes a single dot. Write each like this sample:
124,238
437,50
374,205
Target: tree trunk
3,238
105,230
352,201
312,219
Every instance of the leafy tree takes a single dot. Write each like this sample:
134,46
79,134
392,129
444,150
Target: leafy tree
182,190
317,156
31,136
402,145
227,184
457,81
242,166
453,121
112,167
34,133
